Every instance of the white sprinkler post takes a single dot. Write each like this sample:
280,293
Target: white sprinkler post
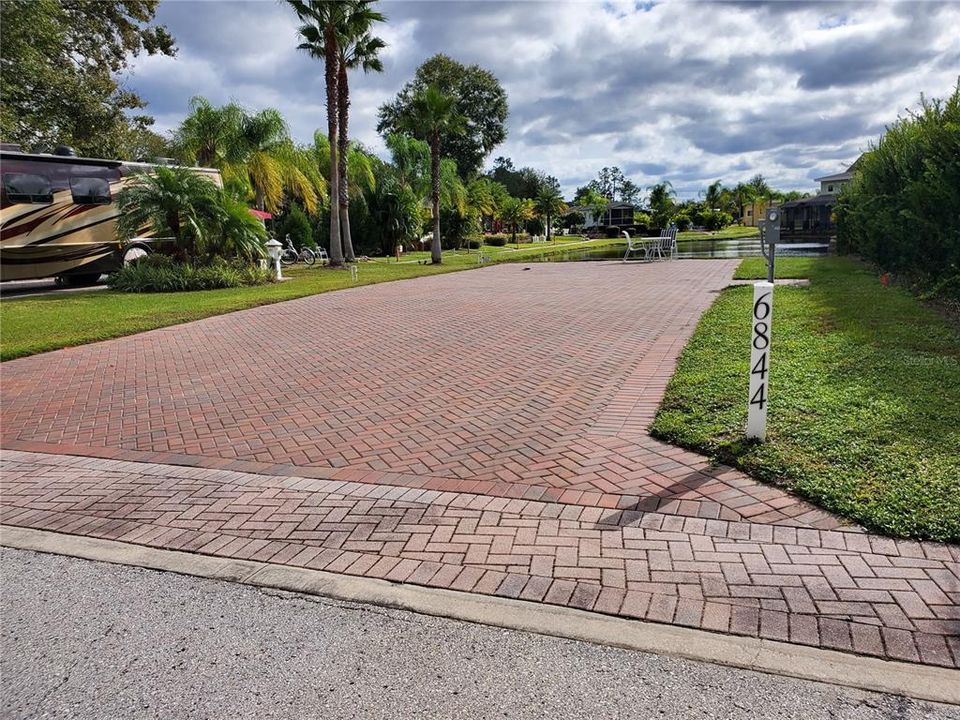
760,360
273,250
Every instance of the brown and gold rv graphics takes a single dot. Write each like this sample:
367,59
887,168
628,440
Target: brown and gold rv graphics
58,215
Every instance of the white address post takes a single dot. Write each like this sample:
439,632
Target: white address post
760,360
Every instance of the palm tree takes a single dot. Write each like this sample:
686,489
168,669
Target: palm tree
267,157
254,153
661,203
759,190
232,230
549,205
434,115
516,211
357,48
714,195
208,133
173,202
321,20
360,175
410,160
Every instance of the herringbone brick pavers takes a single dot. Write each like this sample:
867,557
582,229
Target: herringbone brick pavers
843,590
536,382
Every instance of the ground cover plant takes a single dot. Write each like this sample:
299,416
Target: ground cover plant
864,416
38,324
159,273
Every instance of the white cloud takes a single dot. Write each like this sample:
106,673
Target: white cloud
681,91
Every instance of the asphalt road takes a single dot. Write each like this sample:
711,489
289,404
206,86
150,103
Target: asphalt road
47,286
91,640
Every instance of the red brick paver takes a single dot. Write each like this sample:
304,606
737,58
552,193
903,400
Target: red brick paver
848,591
534,382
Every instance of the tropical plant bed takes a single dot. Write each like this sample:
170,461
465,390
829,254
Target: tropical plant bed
38,324
159,273
864,413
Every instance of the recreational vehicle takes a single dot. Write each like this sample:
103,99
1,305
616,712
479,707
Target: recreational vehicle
58,217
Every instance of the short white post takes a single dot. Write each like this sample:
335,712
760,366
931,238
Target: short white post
353,273
759,396
273,250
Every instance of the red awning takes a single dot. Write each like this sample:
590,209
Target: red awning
261,214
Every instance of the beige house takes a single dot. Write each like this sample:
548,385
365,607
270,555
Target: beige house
754,212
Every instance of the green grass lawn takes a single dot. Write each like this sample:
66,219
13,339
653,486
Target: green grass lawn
38,324
728,233
864,415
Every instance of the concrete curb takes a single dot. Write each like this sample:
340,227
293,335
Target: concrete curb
922,682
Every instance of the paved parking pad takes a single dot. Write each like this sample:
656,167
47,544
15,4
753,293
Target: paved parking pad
483,431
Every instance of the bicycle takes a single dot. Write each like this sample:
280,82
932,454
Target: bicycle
291,255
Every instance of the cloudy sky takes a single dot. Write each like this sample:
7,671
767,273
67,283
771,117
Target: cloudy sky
689,92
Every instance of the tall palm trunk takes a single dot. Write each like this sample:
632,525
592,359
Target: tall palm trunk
331,61
343,112
435,255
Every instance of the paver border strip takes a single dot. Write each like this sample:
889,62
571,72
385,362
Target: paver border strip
916,681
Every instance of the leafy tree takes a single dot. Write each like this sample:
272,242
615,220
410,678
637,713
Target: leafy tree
296,224
609,182
523,182
662,205
549,204
589,198
359,164
59,62
433,116
630,192
479,98
485,197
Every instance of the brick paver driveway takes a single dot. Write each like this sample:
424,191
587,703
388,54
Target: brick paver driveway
484,431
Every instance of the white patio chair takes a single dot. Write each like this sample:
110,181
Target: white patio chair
668,243
650,246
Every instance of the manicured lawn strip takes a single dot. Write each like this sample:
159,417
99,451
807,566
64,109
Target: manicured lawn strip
865,398
728,233
755,268
38,324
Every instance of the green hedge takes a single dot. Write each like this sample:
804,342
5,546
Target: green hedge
902,210
159,273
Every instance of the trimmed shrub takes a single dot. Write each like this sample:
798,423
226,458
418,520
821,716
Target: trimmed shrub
160,273
296,224
496,240
474,244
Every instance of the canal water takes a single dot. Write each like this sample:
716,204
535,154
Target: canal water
701,249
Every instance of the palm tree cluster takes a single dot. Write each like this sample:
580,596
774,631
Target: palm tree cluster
338,33
254,153
202,220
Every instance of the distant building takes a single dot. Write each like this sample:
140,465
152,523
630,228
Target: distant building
616,215
754,212
812,218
